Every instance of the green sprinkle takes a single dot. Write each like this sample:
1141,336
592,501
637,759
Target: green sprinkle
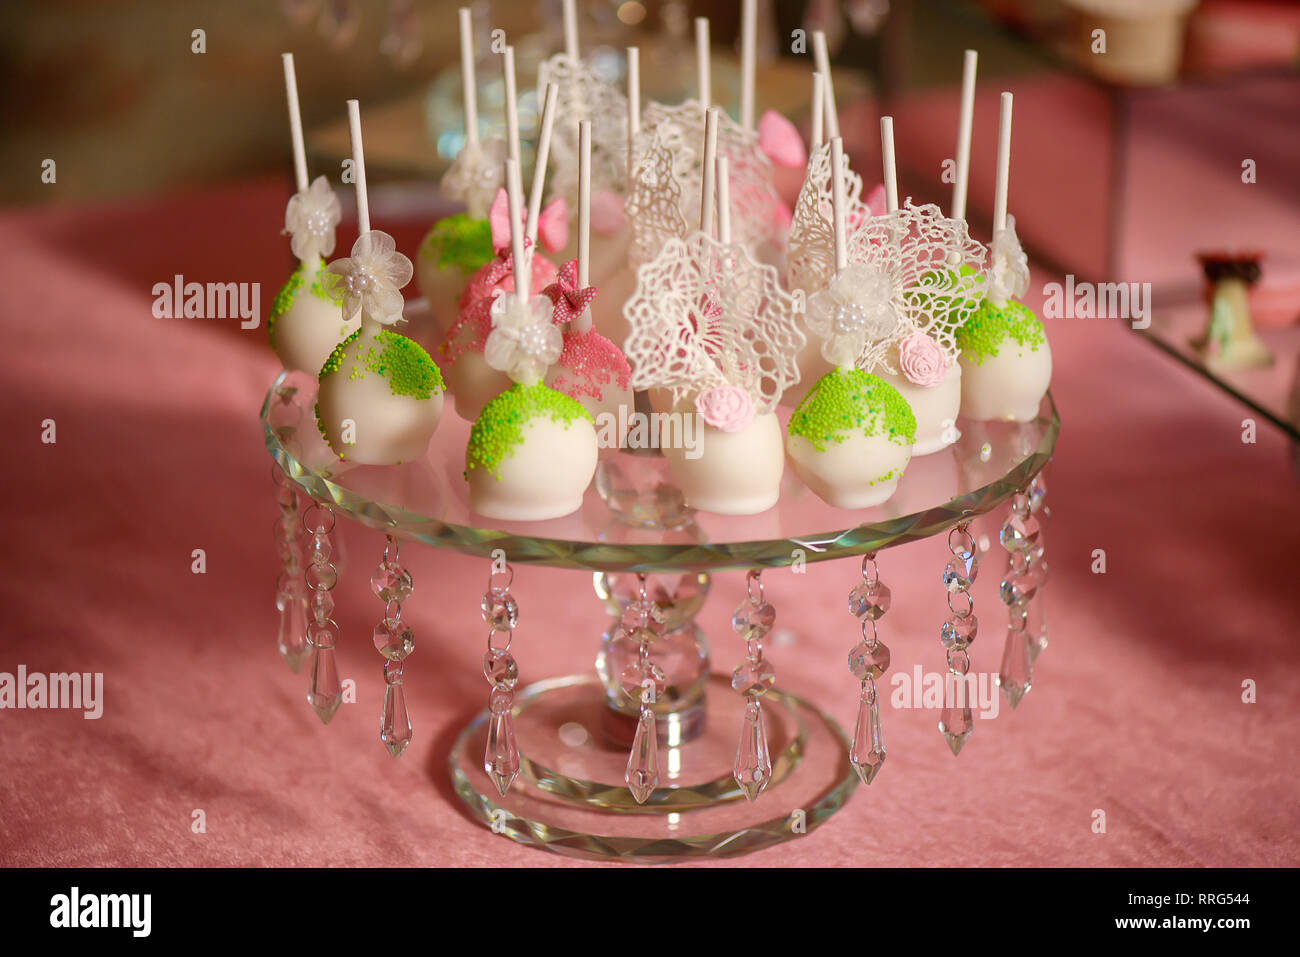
459,242
322,283
500,426
985,331
844,401
402,361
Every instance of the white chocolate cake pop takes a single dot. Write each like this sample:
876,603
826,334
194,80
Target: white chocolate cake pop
304,324
1006,361
380,396
532,451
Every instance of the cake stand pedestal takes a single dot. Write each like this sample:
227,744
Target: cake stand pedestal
573,732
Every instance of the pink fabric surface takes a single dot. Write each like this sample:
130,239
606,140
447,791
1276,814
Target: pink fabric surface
1136,708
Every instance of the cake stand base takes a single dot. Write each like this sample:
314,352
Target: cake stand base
570,797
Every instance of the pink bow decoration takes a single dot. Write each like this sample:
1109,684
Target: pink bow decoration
780,140
552,223
503,265
570,301
607,216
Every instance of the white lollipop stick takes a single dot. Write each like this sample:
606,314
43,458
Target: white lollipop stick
964,127
748,43
633,105
838,203
583,322
512,106
514,199
708,171
359,167
702,77
571,30
891,168
468,81
543,154
724,201
1004,166
818,112
823,61
295,123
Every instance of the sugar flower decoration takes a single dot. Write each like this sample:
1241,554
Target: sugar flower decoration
1008,266
856,308
921,360
727,408
310,218
524,342
570,301
370,282
475,176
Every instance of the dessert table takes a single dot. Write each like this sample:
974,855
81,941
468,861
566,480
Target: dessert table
1137,706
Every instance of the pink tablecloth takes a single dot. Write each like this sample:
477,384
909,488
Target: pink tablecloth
1136,709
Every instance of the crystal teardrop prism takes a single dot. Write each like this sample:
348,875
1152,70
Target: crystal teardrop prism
292,638
643,763
324,691
1016,673
753,767
501,757
395,730
956,725
867,754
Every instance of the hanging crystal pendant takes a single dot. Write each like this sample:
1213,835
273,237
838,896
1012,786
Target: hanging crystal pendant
643,763
753,767
395,640
867,753
956,724
290,601
291,639
324,690
501,757
395,726
1016,673
957,634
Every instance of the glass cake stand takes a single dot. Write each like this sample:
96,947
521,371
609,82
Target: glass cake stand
574,732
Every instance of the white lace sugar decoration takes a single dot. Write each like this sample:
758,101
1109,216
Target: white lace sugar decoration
654,207
585,95
810,254
524,342
707,315
475,176
310,220
372,279
1008,266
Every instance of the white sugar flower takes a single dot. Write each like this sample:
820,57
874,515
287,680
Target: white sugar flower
310,218
1008,266
524,342
371,281
475,176
856,308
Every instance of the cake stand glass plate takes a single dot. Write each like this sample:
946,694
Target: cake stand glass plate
570,796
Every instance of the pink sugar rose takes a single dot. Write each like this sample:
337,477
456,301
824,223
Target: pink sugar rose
725,407
921,360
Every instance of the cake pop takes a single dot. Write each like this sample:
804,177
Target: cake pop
1006,361
304,324
532,451
380,396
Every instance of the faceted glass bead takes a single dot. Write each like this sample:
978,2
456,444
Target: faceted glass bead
753,677
641,636
1037,494
500,610
753,767
867,753
395,727
643,763
501,756
869,600
1015,589
324,690
394,639
322,605
868,660
634,680
391,582
1019,533
959,574
500,669
292,638
1016,673
321,577
321,549
753,620
958,633
638,613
